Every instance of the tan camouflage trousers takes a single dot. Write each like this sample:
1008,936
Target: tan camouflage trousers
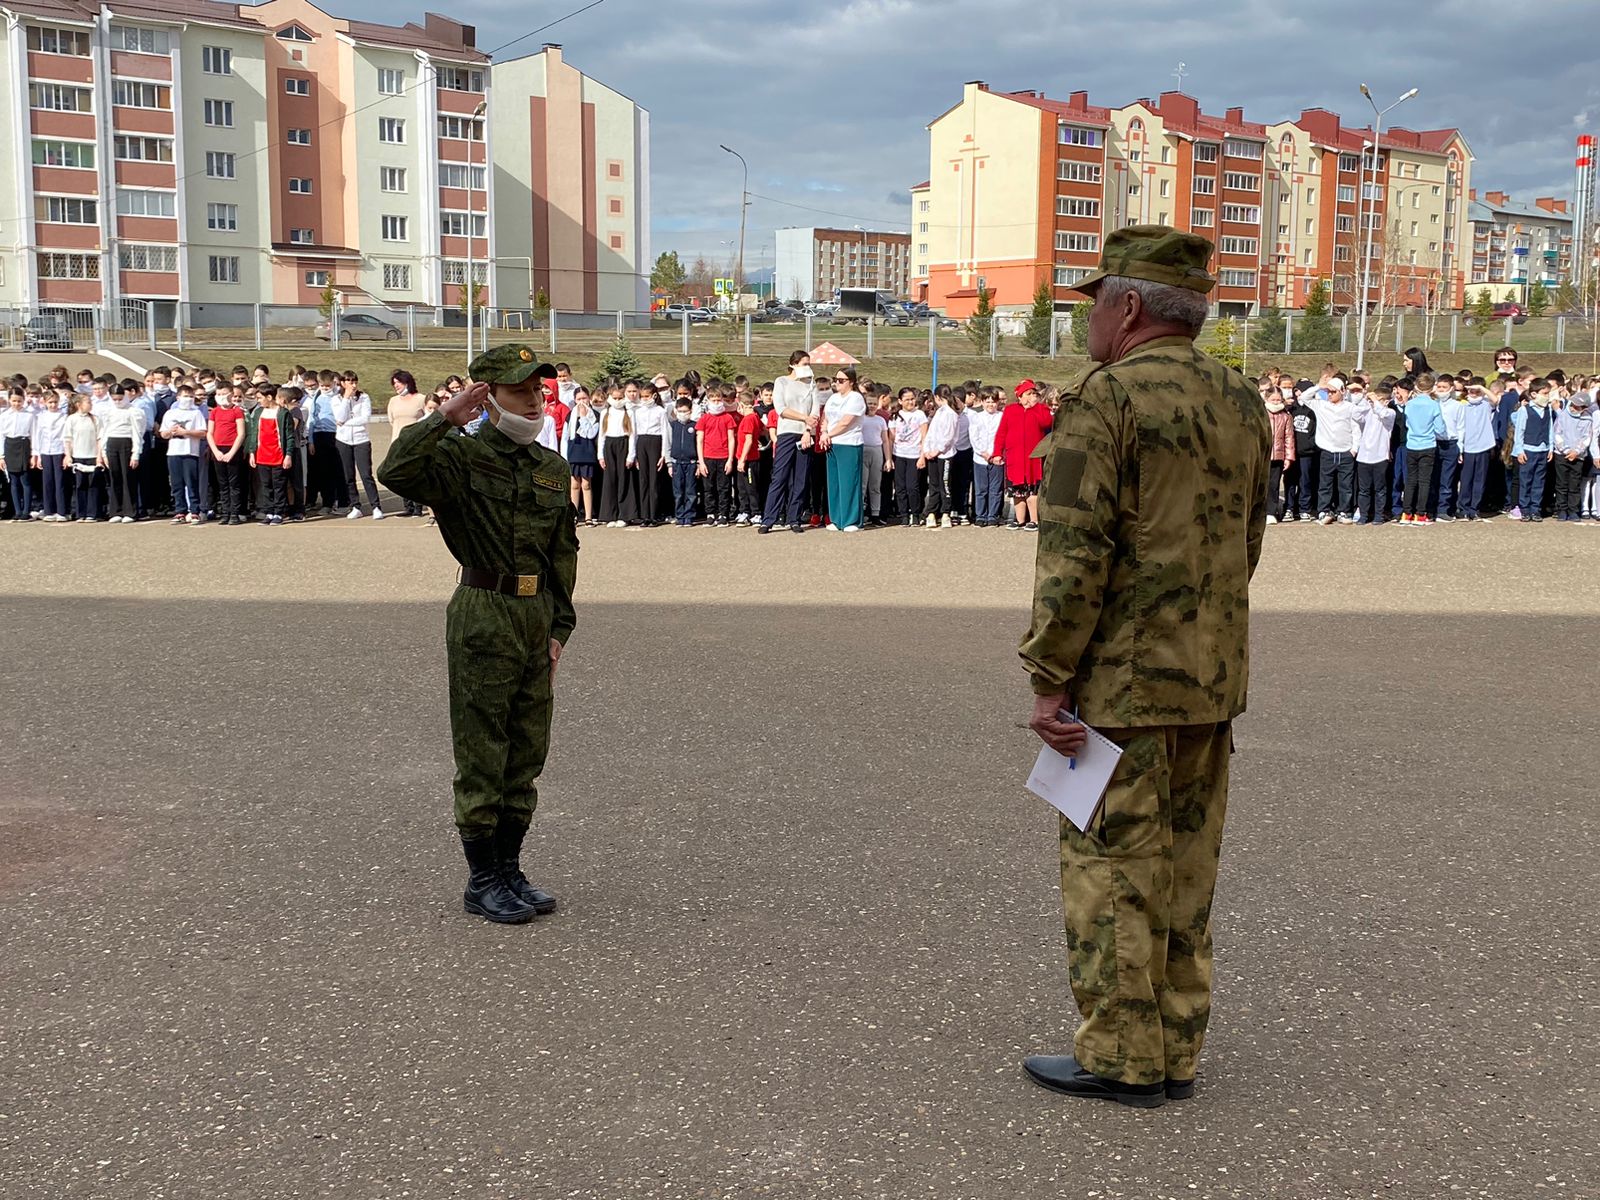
1137,889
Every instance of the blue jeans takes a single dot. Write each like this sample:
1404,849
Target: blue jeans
1397,489
786,493
183,472
1474,474
1530,480
683,489
1303,498
989,489
1443,500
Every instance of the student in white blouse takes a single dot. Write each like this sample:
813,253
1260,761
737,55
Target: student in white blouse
50,456
650,448
352,413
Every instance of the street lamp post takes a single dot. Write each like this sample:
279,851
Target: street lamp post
477,112
861,229
1366,266
744,205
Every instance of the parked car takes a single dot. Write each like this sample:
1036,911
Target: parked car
359,327
47,333
784,312
1502,310
697,314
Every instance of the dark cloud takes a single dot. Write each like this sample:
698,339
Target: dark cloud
829,103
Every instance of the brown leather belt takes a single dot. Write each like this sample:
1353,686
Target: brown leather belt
506,585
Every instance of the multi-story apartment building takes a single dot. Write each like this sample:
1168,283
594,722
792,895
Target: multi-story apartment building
813,264
224,155
1023,189
1516,245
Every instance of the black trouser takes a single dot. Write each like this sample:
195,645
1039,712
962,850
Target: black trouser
85,492
1303,500
154,484
53,485
1337,491
230,487
935,503
746,486
1419,478
1372,490
274,489
353,459
958,479
327,484
786,493
119,456
1274,486
616,497
716,490
907,487
647,453
1571,475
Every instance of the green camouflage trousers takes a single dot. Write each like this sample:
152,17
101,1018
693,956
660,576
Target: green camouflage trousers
1136,890
498,649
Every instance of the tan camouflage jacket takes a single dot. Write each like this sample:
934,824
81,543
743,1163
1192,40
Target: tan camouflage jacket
1151,518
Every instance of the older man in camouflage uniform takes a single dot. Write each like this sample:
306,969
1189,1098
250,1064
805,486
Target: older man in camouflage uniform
502,504
1151,517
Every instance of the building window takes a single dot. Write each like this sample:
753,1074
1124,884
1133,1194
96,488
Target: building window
1077,172
68,266
129,148
303,237
223,268
462,175
1371,191
456,224
1083,242
1205,185
922,248
391,81
1166,154
1311,195
316,279
141,203
1347,194
616,241
1244,214
1349,162
1076,135
1308,254
1343,254
1204,218
614,205
391,179
396,277
219,113
1413,228
63,154
129,93
614,169
1234,148
1133,189
58,41
300,137
66,210
1240,182
922,206
296,85
133,257
392,130
1069,206
1135,155
141,41
299,186
460,79
216,60
1310,225
466,129
394,228
223,218
1344,224
1067,276
454,270
1166,187
1238,245
1205,152
219,164
1236,279
293,33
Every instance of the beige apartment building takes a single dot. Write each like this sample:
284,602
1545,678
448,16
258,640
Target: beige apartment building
218,156
811,264
1516,245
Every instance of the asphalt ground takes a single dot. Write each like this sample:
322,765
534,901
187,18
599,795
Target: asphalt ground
810,917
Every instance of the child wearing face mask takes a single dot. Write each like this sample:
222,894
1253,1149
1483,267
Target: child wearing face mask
1282,458
1374,422
714,436
121,435
1574,435
579,446
225,439
1532,429
269,441
183,428
618,505
1452,410
683,458
50,458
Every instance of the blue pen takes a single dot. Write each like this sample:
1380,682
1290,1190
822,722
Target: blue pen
1072,759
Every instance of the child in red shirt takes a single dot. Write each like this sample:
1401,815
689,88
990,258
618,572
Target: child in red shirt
749,439
714,438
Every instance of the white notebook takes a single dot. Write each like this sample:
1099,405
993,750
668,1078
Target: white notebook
1076,785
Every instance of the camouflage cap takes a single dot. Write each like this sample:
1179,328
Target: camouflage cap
1158,253
509,364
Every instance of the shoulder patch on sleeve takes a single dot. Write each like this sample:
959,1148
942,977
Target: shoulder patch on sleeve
1065,486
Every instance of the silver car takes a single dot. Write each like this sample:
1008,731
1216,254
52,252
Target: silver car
358,327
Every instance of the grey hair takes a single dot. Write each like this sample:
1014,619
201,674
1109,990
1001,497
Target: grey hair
1162,302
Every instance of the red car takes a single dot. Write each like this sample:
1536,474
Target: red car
1504,309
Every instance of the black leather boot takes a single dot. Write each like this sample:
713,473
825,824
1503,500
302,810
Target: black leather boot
508,848
488,895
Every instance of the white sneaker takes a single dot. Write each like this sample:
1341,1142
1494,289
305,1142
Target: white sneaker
852,529
832,528
378,514
742,519
932,522
353,515
617,525
946,523
1271,520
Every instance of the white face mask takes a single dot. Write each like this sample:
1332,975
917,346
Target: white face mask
715,408
120,401
617,402
521,430
802,372
225,401
185,401
684,417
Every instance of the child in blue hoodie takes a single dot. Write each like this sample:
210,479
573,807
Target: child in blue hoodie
1424,429
1574,434
1478,444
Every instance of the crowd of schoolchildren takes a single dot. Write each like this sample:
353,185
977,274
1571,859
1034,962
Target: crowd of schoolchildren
800,452
1427,447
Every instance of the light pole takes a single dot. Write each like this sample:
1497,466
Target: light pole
861,280
1366,266
481,108
744,204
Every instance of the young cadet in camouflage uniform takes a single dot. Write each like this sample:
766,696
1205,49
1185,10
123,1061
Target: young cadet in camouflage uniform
502,506
1151,517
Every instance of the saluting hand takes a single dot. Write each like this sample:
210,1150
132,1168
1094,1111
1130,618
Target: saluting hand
465,406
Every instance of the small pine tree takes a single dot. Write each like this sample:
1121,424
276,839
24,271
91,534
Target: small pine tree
1483,307
619,361
471,299
1080,327
1566,297
1036,335
982,321
1315,332
1267,333
541,306
720,366
326,302
1538,300
1226,345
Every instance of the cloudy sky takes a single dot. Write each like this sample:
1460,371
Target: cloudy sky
829,101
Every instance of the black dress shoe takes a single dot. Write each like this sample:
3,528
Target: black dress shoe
488,895
1061,1073
508,848
1180,1089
